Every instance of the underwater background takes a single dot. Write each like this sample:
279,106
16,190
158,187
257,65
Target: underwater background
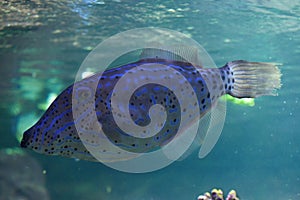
43,43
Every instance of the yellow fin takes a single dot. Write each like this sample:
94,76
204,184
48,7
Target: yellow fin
240,101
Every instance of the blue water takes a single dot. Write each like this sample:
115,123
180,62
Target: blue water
258,153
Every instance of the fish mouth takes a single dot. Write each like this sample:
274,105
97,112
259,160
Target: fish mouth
26,137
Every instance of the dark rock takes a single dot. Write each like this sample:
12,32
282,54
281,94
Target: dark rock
21,177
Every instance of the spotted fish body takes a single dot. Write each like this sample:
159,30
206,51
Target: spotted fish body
56,132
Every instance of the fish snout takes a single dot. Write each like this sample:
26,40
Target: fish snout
27,136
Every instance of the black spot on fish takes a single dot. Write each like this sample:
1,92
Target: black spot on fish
208,95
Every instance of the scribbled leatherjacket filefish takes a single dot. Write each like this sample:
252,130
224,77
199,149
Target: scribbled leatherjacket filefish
58,131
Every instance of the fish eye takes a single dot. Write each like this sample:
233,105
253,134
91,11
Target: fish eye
83,93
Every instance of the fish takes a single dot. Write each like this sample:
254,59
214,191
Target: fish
81,107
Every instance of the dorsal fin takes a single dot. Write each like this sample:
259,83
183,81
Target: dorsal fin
176,53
